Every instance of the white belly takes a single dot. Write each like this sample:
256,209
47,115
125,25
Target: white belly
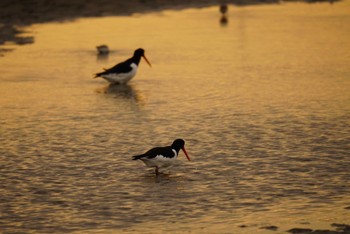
160,161
121,78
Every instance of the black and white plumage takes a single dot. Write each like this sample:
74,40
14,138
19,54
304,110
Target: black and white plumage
124,71
160,157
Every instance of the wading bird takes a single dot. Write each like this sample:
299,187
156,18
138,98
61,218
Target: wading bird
125,71
162,157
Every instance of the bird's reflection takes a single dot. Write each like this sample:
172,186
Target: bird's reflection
223,20
223,9
124,91
102,57
161,178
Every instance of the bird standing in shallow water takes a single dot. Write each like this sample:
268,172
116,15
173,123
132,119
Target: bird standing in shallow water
162,156
125,71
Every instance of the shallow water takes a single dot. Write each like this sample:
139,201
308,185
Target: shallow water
262,102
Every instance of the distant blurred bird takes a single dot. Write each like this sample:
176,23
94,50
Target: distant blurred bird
223,8
102,49
162,156
125,71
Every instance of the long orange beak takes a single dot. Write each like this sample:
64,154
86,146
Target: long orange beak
144,57
183,149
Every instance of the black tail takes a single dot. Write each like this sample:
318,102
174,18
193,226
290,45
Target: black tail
137,157
98,74
101,73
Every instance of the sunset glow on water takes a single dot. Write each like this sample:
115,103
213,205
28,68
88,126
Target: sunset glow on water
262,102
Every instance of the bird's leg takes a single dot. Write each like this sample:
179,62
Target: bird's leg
157,171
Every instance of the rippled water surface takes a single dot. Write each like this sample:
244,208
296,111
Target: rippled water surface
262,102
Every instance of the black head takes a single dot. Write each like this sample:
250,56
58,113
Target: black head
178,144
139,52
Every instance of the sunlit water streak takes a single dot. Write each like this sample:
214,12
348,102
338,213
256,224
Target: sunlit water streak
263,104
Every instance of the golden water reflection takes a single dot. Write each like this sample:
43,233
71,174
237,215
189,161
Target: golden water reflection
263,104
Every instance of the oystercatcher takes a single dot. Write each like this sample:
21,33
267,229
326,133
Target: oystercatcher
123,72
162,156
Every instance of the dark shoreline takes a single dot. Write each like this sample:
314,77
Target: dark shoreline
17,13
24,12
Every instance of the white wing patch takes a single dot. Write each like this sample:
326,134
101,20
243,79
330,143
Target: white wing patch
161,157
175,154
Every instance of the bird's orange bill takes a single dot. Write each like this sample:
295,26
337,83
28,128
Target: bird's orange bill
183,149
144,57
